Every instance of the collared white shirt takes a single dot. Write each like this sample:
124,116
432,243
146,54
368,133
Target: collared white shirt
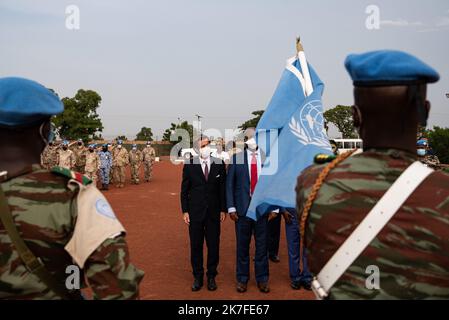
249,153
203,164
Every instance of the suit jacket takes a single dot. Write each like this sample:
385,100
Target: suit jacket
199,197
238,183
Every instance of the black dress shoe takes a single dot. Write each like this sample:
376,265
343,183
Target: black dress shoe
306,285
197,284
211,284
263,287
296,285
241,287
275,259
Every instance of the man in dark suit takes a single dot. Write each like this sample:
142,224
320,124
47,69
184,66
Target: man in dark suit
243,173
204,208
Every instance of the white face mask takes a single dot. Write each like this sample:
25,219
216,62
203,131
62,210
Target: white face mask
119,146
251,143
422,152
205,152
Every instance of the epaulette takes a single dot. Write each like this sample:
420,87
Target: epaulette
323,158
81,178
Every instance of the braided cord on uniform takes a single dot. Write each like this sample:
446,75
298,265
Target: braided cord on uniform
313,194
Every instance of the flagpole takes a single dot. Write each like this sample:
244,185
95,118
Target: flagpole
304,67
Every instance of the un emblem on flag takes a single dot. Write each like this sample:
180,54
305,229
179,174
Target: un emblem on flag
309,128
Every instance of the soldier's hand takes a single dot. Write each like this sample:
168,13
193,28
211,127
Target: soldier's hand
287,216
234,216
272,215
186,218
222,216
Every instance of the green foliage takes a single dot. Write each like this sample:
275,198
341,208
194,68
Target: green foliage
79,119
184,125
439,142
341,117
252,123
123,138
145,134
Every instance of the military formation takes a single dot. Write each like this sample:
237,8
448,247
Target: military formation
101,164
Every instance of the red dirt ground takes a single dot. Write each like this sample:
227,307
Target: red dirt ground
159,244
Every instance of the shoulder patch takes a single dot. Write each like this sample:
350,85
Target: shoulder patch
71,175
324,158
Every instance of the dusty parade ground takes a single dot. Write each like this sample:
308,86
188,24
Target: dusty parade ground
159,244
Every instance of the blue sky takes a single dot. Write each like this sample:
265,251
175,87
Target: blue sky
156,61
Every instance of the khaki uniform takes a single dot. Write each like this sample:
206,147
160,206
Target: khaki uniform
49,157
135,159
120,159
92,166
80,153
149,154
66,159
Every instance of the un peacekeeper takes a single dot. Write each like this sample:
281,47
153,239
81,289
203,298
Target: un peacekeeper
80,153
105,166
135,160
410,251
66,159
92,164
424,155
49,157
149,155
52,220
120,159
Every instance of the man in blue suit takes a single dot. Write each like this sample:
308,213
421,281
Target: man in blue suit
241,181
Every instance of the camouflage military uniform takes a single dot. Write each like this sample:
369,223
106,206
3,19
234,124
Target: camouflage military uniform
92,166
411,251
120,159
431,161
80,153
66,159
49,157
43,205
135,160
149,154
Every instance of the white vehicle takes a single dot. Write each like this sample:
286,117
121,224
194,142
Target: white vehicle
345,145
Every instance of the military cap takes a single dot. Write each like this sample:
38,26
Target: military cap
422,143
25,102
134,145
65,143
387,68
119,141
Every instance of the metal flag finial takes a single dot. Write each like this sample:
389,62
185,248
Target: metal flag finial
299,46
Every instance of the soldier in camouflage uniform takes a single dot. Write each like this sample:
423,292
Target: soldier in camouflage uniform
49,158
80,153
135,160
424,155
120,159
333,199
149,155
58,218
92,164
66,158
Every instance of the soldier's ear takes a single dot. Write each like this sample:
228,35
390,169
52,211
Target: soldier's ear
356,116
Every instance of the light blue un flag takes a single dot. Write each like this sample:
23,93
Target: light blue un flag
290,133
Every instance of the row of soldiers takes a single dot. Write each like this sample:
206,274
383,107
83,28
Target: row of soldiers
110,161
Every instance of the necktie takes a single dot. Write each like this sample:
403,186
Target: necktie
206,170
253,172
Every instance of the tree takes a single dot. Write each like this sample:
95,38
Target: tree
252,123
184,125
341,117
122,137
145,134
439,142
79,119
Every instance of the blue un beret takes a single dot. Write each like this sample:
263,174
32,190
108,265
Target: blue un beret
387,67
25,102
